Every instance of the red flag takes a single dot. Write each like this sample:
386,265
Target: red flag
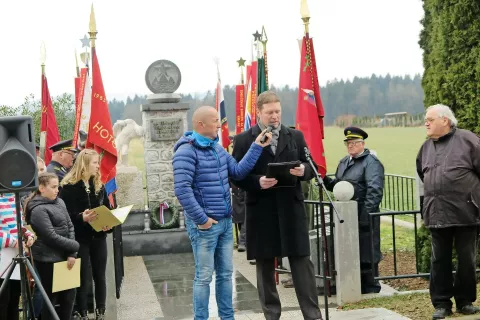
239,108
310,110
247,76
48,125
79,92
100,132
254,80
77,87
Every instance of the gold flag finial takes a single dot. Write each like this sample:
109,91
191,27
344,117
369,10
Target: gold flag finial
305,14
92,27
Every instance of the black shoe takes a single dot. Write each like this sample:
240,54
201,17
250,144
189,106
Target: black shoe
371,290
241,248
80,315
253,262
468,309
100,314
441,313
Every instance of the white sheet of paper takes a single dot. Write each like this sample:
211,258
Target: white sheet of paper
122,213
6,256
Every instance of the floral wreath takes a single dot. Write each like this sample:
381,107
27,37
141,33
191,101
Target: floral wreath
158,218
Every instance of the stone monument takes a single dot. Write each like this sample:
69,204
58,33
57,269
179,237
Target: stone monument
129,178
164,120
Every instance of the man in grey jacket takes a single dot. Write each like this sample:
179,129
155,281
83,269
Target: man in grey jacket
448,163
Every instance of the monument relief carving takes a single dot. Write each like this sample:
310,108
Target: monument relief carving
163,76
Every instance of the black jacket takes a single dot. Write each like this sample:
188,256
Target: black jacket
276,219
238,204
77,201
51,223
366,173
450,170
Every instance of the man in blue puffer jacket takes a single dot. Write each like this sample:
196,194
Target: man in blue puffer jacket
201,168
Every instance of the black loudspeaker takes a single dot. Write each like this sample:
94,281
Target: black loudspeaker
18,160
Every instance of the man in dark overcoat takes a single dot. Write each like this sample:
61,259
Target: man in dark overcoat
366,173
448,163
277,224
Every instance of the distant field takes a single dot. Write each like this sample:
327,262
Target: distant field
395,147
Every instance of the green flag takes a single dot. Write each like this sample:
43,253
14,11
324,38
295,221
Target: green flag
262,76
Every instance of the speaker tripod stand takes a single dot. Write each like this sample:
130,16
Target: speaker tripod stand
23,263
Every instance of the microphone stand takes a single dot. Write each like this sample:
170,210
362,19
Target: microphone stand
321,183
325,256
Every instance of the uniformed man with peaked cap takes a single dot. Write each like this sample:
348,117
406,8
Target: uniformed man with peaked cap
62,158
366,173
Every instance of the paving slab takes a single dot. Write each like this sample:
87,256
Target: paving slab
138,299
334,314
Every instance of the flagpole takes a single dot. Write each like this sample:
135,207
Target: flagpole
76,64
264,43
43,134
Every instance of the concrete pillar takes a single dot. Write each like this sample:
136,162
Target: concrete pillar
347,253
111,303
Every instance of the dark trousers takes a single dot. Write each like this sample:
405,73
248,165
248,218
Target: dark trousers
242,238
443,286
10,299
303,277
94,254
65,299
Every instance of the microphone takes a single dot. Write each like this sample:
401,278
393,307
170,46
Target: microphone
269,129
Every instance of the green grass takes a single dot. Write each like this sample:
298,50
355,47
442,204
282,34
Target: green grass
415,306
397,148
404,238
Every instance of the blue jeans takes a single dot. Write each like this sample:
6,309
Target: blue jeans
212,250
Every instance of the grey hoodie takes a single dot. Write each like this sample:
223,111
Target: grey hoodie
51,223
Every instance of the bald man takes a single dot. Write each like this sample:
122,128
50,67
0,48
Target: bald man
201,169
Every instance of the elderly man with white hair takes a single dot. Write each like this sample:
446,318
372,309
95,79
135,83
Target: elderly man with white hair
449,165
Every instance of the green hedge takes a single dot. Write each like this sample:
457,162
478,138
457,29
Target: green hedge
451,58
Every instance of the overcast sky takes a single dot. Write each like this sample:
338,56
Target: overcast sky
351,38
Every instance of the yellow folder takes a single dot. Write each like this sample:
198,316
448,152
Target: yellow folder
110,218
64,279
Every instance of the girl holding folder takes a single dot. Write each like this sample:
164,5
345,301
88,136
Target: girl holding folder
82,191
48,216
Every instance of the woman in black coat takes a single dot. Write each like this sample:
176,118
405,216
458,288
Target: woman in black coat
49,219
82,190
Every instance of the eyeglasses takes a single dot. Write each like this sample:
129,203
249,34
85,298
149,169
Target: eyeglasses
352,143
430,120
70,153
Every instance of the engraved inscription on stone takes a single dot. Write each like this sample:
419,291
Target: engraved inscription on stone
166,129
